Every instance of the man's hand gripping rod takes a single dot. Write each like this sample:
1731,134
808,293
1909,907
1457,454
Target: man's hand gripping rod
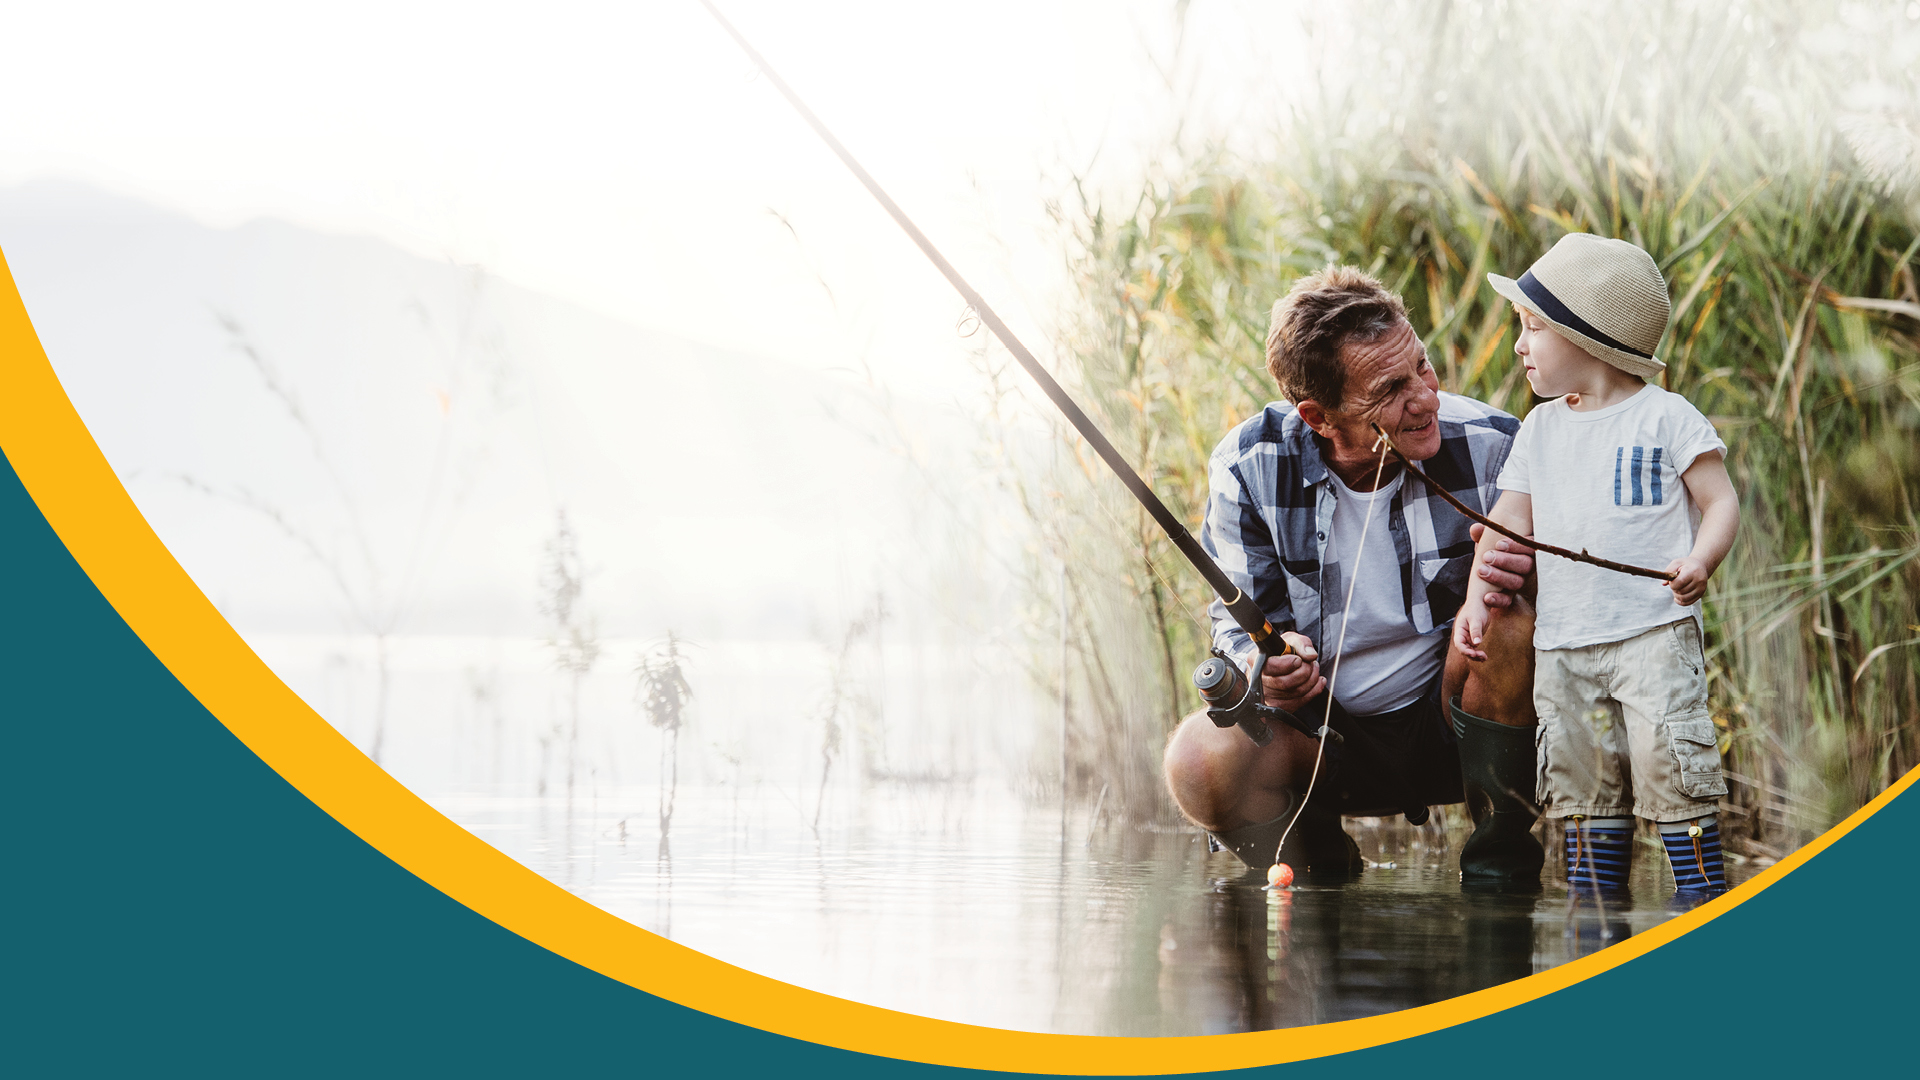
1234,698
1246,710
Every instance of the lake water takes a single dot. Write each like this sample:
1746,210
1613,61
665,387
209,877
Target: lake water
964,893
968,903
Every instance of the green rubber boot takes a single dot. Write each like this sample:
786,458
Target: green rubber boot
1497,763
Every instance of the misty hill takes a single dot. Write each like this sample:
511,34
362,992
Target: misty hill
331,433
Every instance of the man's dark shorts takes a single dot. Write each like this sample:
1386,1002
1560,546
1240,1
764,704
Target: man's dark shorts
1394,760
1383,766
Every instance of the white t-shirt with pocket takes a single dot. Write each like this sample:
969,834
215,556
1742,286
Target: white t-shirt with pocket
1608,482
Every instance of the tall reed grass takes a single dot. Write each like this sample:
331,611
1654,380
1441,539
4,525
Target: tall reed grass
1754,148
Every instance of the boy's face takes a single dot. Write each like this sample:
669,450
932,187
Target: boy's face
1555,366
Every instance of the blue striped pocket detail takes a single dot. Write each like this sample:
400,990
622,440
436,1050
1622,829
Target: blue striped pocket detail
1636,477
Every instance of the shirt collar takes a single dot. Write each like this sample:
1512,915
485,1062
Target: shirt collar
1306,450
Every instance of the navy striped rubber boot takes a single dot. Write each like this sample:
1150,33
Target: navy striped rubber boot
1599,854
1693,850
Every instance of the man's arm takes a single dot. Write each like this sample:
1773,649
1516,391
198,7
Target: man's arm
1712,491
1240,539
1515,511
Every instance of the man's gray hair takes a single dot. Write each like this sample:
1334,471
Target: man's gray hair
1317,317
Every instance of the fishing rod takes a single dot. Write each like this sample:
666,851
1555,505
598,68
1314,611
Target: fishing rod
1233,699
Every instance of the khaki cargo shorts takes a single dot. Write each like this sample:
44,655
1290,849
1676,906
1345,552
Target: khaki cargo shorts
1624,728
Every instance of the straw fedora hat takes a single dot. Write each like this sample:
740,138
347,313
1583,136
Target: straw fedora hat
1606,296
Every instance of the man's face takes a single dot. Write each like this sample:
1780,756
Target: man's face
1389,382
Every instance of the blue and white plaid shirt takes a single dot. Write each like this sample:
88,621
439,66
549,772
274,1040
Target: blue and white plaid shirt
1271,505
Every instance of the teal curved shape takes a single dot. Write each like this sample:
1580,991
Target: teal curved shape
173,906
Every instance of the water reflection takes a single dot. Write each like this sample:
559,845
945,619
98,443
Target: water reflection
1393,940
933,900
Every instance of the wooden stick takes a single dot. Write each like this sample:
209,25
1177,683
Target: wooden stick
1579,556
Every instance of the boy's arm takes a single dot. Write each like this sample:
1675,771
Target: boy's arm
1515,511
1707,482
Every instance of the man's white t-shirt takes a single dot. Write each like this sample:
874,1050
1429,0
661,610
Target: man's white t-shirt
1384,663
1608,482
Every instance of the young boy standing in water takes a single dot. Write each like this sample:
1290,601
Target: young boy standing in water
1634,474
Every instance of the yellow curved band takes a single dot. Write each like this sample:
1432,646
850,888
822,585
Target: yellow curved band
68,478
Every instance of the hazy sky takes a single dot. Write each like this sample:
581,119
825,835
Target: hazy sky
626,157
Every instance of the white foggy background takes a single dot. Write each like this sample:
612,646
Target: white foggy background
358,300
627,157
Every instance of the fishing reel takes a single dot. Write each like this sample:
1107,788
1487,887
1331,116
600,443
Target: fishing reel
1234,700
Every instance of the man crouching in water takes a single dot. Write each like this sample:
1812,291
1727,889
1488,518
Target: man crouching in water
1293,491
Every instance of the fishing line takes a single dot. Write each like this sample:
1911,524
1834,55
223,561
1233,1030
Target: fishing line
1340,647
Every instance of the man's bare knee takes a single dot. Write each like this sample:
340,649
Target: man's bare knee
1202,779
1221,780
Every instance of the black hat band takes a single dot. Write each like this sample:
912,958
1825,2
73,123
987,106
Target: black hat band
1552,308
